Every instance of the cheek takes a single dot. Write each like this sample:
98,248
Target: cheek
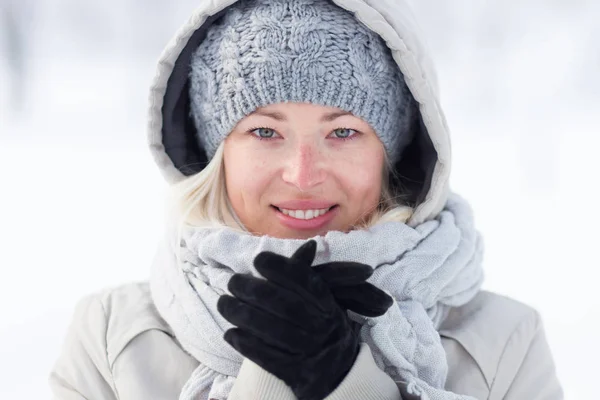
364,182
246,177
368,186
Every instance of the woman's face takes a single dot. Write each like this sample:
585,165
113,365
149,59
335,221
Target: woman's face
298,170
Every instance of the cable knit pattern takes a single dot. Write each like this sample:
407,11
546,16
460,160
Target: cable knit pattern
265,52
426,269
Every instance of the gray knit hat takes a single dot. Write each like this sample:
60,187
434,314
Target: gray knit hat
265,52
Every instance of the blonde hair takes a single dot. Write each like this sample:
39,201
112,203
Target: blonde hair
201,200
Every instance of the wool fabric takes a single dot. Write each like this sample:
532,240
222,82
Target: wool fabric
426,269
263,52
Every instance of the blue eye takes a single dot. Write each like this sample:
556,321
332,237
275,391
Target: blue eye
344,133
263,133
268,133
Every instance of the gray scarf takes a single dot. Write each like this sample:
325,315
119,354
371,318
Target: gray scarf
427,269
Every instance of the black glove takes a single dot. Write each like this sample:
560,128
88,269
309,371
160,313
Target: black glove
292,325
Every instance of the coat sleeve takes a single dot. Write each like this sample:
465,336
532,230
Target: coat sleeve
364,381
532,375
82,371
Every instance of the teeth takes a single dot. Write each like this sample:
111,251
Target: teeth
304,214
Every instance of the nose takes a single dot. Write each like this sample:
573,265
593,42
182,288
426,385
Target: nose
305,166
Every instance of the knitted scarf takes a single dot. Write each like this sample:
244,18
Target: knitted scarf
427,269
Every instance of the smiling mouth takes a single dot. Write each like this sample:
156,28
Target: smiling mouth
305,214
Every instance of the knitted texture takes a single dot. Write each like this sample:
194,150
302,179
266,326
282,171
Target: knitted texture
263,52
427,270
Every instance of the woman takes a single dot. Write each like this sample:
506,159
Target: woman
314,250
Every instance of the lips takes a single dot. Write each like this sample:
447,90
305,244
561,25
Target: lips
304,214
306,224
304,204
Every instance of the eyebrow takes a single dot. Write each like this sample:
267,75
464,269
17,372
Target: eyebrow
280,117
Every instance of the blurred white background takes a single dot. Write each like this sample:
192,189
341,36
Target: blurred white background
81,203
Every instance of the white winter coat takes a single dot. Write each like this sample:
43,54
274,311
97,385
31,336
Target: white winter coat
119,347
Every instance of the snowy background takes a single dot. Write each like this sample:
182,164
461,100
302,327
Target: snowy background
81,202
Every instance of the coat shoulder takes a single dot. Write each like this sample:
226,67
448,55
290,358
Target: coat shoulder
129,311
488,327
103,324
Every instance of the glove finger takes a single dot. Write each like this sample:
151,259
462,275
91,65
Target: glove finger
306,253
356,327
266,326
275,300
260,352
296,277
364,299
283,271
297,268
340,273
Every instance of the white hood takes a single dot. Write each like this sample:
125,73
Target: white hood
425,164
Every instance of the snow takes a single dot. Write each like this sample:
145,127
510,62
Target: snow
82,199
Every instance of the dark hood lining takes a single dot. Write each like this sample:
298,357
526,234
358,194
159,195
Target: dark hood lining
178,130
414,170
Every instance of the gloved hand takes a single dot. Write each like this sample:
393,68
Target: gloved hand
292,325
